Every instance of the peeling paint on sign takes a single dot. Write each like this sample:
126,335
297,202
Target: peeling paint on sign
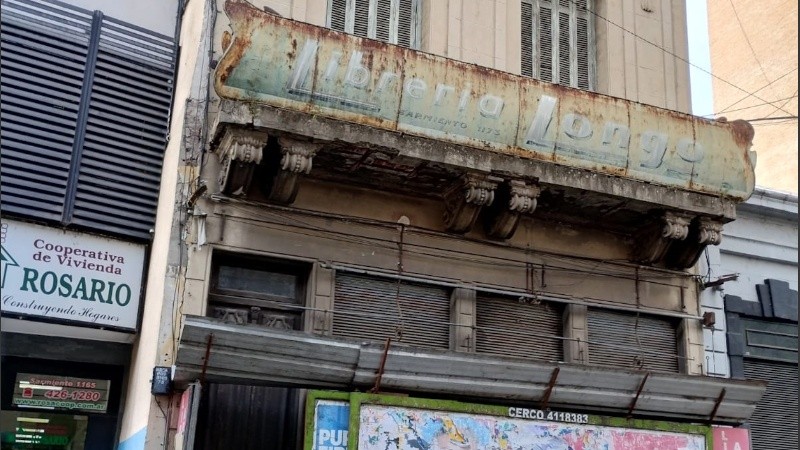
294,65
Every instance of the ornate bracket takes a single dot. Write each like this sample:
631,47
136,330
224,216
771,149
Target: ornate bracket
296,160
654,241
703,232
239,151
464,200
514,199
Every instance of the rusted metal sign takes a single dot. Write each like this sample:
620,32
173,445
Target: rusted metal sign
294,65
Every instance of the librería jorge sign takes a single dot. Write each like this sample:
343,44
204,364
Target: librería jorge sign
65,275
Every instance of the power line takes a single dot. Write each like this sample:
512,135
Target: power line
757,90
786,99
681,58
764,119
749,44
784,103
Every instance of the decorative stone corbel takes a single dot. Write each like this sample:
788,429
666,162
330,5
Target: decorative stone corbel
239,151
464,200
703,231
513,199
296,160
654,240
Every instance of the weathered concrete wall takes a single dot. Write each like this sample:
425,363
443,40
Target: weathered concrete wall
769,71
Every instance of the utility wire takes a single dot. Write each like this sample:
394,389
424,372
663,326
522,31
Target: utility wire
785,100
784,103
758,90
681,58
764,119
749,44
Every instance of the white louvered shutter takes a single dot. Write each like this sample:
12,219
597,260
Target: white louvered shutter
557,42
392,21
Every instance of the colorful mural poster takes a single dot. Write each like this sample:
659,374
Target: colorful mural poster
398,428
331,422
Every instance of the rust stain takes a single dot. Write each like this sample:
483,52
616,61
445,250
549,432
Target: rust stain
338,98
743,133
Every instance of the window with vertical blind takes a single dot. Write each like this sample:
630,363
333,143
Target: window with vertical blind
557,41
392,21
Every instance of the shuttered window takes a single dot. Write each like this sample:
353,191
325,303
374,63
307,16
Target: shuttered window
250,290
85,105
776,413
625,340
558,41
506,326
366,308
392,21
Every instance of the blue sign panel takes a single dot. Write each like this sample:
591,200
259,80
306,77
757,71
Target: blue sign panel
331,422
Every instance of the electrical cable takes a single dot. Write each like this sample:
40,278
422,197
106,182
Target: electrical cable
749,44
767,119
591,268
590,264
425,319
784,103
681,58
471,257
726,109
759,105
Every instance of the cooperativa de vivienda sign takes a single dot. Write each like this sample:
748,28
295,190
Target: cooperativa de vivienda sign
65,275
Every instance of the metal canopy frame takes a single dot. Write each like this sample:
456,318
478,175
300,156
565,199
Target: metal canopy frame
250,354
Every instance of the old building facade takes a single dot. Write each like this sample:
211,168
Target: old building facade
479,206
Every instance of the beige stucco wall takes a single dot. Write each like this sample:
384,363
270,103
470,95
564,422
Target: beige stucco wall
769,70
154,340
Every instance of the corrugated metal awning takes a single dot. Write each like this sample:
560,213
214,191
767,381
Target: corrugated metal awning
250,354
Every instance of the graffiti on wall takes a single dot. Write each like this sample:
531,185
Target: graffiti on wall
400,428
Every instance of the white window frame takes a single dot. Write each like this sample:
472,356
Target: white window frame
572,9
394,20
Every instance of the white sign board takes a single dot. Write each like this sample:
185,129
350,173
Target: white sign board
65,275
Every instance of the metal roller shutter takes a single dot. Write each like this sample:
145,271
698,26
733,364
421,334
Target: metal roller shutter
616,340
366,308
509,327
774,422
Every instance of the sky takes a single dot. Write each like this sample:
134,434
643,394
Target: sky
697,24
